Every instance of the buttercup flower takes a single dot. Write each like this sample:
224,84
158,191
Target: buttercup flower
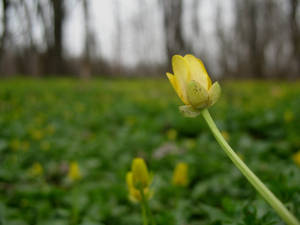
74,171
296,158
138,180
36,169
193,85
134,193
180,175
140,174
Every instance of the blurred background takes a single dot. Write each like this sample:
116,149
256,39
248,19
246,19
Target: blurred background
250,38
66,144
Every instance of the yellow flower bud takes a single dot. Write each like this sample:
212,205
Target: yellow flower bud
172,134
180,175
288,116
36,169
74,171
296,158
192,84
134,193
140,175
225,134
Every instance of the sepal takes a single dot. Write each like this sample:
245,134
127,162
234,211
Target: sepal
189,111
214,93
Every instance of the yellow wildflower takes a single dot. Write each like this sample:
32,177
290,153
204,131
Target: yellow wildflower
138,179
180,175
134,193
36,134
15,144
36,169
225,134
296,158
190,143
140,174
288,116
74,171
172,134
192,84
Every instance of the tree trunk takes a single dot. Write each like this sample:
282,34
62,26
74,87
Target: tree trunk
295,34
85,72
173,28
5,7
56,50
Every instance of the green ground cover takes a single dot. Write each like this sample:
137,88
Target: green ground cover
66,145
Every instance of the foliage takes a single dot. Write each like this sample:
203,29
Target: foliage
66,145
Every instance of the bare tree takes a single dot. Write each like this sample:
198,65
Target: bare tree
89,42
31,53
5,7
295,31
253,29
56,50
174,39
224,43
118,37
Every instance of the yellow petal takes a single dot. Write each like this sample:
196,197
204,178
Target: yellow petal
174,83
198,71
129,180
214,93
180,175
182,73
140,175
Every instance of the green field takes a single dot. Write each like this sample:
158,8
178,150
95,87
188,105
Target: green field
101,125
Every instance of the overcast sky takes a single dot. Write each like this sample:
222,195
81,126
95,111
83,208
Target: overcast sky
144,45
105,27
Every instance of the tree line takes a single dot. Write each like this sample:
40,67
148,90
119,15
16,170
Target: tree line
261,41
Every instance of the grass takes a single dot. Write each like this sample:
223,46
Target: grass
101,125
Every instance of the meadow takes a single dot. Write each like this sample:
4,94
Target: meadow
66,145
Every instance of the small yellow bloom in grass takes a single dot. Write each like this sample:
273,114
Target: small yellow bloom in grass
296,158
288,116
193,85
172,134
74,171
45,145
134,193
36,170
180,175
50,129
138,179
225,135
15,144
140,174
36,134
190,143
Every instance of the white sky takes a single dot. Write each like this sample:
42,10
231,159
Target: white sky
134,48
146,45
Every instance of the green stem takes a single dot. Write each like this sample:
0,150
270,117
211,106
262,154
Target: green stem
144,214
251,177
144,207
